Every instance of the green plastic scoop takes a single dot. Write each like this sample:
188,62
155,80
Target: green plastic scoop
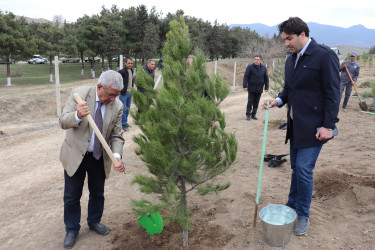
153,222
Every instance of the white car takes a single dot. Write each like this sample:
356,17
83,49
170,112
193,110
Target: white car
37,59
87,59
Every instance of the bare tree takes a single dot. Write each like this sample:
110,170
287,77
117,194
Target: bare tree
268,48
59,19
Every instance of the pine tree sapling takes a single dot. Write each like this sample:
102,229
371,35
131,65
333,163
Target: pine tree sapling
181,148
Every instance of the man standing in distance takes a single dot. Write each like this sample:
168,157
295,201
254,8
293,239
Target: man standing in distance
312,92
255,78
125,96
346,83
82,152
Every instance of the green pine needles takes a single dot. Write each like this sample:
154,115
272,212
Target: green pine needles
183,142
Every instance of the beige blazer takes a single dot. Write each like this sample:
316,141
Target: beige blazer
78,136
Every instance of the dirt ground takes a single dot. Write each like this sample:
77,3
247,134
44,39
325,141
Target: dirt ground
31,180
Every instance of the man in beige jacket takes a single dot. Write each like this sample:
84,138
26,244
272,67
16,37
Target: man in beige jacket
79,154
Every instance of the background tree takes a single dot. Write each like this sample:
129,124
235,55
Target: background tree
14,39
90,29
150,42
181,147
111,38
215,42
49,41
139,30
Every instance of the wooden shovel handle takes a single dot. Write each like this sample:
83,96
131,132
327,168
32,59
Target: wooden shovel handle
97,132
355,87
104,143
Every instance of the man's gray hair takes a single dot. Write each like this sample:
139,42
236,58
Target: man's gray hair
111,78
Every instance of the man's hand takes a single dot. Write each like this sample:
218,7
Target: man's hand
324,134
344,66
82,109
272,104
119,167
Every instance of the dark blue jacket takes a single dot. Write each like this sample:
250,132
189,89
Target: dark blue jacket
313,91
255,78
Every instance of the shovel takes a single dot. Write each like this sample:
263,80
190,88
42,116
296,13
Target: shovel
261,164
362,105
152,222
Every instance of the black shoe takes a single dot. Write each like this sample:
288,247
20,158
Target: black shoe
344,107
70,240
248,118
100,229
254,117
125,128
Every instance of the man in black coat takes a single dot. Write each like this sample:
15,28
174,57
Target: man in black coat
125,96
312,93
254,80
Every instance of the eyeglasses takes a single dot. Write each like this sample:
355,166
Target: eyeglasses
108,94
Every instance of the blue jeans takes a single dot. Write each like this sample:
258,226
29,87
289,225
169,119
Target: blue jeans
73,192
301,188
126,100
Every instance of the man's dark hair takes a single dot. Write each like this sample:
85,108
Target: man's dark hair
294,25
128,58
258,55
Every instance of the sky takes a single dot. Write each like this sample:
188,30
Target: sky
341,13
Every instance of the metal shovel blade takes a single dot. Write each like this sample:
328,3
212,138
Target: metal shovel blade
363,106
153,223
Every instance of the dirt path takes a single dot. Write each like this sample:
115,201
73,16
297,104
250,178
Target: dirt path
31,180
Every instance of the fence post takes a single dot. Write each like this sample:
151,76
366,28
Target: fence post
234,76
121,61
57,80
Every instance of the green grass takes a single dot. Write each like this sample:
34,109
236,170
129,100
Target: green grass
38,74
366,84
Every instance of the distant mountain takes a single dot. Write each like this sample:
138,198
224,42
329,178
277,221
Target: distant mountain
357,35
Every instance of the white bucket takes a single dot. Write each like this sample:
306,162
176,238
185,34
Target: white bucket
277,223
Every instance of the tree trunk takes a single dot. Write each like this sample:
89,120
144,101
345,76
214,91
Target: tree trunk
185,232
50,69
83,64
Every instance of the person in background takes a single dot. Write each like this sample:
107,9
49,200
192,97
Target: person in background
253,82
125,96
81,151
345,82
312,93
149,68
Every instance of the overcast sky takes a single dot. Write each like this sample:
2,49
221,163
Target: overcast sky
342,13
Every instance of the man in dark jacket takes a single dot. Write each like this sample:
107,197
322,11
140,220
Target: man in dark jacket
149,68
346,83
253,82
125,96
312,92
